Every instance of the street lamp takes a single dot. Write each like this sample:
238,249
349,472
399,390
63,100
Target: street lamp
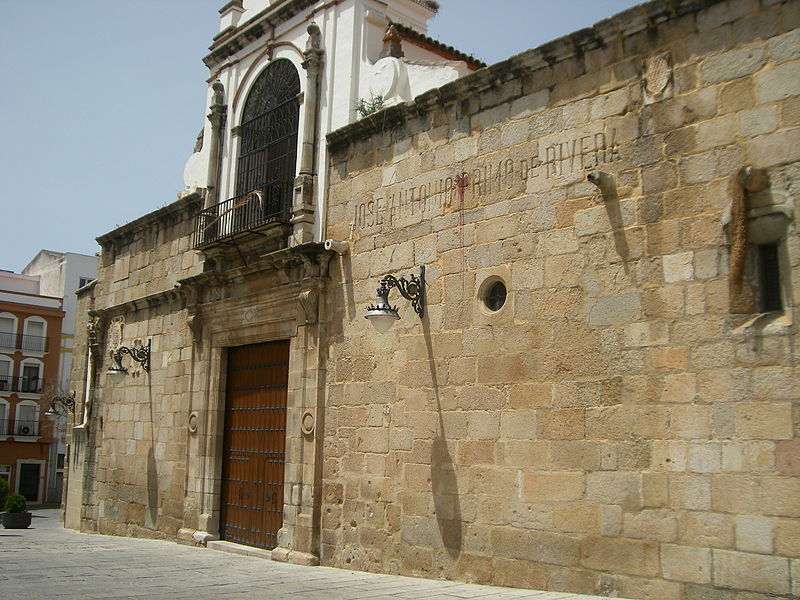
382,315
140,354
59,405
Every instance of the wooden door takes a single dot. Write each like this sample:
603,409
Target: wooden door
254,444
29,474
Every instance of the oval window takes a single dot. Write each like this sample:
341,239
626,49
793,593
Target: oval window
495,296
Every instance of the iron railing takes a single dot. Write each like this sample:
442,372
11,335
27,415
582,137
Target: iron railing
268,203
27,385
18,341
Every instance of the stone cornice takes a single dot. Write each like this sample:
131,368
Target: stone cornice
647,16
231,41
310,262
189,203
149,301
279,260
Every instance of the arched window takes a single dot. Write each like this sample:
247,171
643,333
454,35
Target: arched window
268,144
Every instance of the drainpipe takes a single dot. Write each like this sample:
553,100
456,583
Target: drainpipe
87,402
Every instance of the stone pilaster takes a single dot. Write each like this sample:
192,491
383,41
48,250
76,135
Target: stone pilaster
217,118
305,183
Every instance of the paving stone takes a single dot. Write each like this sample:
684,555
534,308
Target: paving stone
82,566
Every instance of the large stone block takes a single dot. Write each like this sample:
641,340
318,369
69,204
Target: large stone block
686,563
692,492
765,421
748,456
620,555
787,537
483,425
756,572
618,308
754,534
553,487
561,424
734,64
660,525
706,529
577,518
778,83
758,121
691,422
775,148
614,487
716,133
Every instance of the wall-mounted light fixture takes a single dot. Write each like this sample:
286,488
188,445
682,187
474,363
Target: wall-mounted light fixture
140,354
382,315
59,405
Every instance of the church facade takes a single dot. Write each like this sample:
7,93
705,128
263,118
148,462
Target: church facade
581,265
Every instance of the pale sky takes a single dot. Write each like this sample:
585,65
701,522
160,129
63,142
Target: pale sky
102,101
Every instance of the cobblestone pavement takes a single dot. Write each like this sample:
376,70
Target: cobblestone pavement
48,561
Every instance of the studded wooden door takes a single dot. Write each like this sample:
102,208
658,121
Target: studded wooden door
254,444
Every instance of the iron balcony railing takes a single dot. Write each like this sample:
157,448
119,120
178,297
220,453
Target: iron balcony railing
18,341
269,203
27,385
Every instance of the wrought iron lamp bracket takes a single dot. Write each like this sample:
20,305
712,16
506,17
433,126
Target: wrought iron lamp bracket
67,402
140,354
412,289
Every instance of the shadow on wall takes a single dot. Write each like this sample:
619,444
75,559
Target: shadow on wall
607,189
151,514
444,484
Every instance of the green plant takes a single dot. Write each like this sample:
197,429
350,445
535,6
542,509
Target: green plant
15,503
4,490
365,107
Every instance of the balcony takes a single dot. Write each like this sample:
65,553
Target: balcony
247,213
28,343
19,428
26,385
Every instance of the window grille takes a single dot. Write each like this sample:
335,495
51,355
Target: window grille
268,148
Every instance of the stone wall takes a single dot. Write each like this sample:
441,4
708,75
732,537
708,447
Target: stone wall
149,460
614,428
133,454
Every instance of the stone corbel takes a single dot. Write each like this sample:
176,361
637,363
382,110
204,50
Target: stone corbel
309,302
190,293
195,324
315,266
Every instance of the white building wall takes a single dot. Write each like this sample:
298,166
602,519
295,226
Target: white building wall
14,282
59,274
352,37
